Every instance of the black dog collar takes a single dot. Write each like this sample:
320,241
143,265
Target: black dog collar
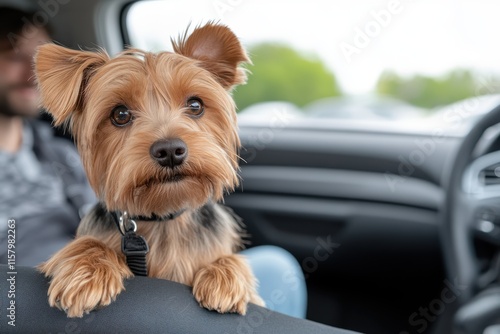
134,246
156,218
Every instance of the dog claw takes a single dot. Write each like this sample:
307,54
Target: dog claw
98,281
233,281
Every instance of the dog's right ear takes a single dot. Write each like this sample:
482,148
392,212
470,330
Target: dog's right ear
62,75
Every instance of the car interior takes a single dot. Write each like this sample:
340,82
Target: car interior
405,212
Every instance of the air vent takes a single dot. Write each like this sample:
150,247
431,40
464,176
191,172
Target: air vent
490,175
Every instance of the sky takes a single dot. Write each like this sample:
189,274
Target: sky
357,39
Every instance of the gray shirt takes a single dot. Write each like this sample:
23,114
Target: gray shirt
43,189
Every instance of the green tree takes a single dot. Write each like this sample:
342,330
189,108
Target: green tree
429,92
281,73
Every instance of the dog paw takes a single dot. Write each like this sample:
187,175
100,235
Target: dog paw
226,286
85,275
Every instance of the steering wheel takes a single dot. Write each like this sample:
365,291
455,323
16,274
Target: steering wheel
471,210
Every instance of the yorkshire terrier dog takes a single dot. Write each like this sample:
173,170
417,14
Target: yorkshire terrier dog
158,138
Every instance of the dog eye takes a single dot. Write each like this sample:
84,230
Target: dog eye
121,116
195,106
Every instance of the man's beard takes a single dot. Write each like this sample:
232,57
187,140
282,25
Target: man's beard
9,109
6,108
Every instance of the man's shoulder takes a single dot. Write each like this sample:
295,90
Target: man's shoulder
44,136
64,160
49,147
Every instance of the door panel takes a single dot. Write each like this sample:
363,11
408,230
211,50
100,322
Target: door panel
370,251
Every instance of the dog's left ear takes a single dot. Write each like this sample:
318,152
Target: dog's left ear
218,50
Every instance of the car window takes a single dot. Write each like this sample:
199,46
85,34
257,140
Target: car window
364,60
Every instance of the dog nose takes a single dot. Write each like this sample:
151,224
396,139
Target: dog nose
169,152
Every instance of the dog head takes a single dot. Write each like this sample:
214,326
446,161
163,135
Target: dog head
156,132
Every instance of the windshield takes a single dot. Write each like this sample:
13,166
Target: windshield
365,60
